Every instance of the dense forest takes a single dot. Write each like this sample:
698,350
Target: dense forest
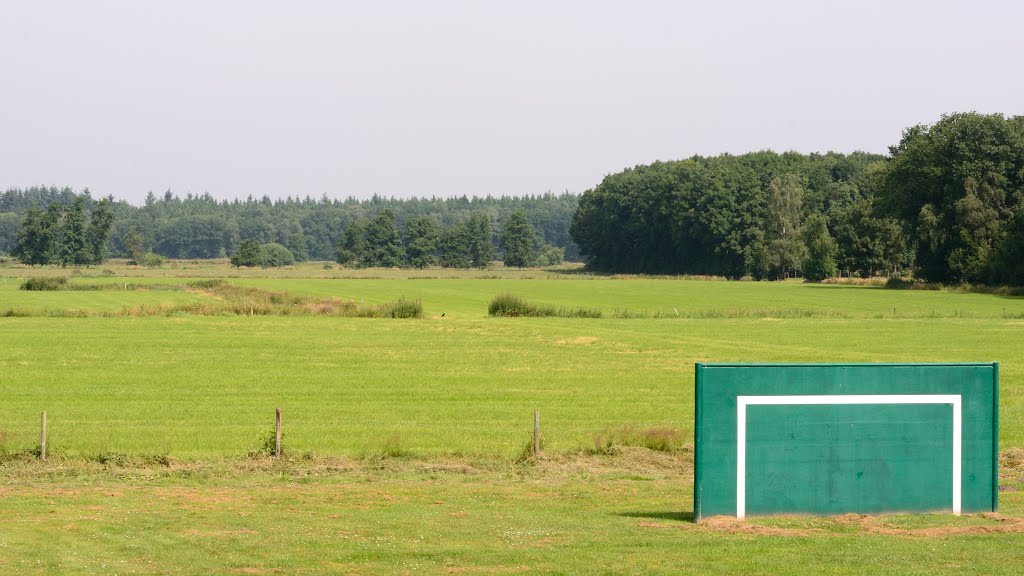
202,227
947,205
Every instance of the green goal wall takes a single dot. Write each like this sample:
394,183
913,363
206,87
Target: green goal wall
838,438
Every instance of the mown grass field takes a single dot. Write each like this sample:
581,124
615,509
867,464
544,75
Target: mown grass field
401,434
617,515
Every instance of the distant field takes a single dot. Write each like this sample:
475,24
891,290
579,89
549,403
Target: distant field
455,381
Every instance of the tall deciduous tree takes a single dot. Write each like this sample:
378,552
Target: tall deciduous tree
517,241
820,257
135,243
1008,261
782,224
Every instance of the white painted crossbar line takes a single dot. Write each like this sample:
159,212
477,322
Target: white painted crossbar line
825,399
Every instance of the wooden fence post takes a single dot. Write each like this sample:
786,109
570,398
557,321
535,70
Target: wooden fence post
277,442
42,438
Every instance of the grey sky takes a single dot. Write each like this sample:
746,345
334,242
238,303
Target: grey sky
450,98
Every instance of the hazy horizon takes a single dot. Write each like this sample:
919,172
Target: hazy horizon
446,99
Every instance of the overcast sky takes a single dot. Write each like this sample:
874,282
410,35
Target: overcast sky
439,98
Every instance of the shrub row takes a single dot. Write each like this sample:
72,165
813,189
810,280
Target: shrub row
47,283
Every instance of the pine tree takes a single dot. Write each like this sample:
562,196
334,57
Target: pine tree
31,240
248,254
98,232
481,247
51,241
74,251
454,247
383,241
352,247
421,238
517,241
297,246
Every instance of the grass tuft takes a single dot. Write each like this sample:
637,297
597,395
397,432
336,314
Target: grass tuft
393,448
207,283
400,308
658,438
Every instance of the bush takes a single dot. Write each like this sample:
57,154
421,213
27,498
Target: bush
895,283
151,260
551,256
47,283
511,305
267,445
273,255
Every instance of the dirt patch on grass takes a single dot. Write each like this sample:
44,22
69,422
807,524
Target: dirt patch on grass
990,523
999,524
730,525
577,341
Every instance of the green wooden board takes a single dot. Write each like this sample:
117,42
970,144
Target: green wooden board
832,439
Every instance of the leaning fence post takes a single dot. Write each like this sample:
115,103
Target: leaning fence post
42,438
277,437
536,433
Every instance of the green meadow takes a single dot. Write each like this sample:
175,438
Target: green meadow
455,381
403,437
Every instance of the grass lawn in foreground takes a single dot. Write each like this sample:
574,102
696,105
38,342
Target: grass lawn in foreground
624,514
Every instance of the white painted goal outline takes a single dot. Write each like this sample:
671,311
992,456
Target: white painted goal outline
741,428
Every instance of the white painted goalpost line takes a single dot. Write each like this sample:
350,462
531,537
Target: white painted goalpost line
741,428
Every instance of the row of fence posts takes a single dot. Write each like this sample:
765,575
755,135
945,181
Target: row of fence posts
277,435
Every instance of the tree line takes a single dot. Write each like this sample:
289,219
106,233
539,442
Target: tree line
947,204
198,226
